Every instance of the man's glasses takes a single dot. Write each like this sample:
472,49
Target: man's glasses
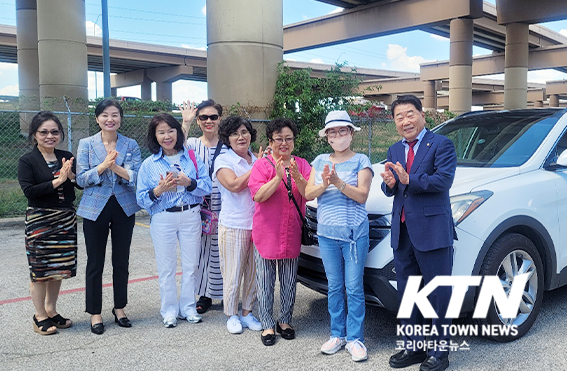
243,133
206,117
281,140
53,132
342,132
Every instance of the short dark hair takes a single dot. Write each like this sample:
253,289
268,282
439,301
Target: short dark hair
407,99
209,103
39,119
153,144
277,125
105,103
230,125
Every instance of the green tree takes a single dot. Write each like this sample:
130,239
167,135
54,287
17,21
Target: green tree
307,100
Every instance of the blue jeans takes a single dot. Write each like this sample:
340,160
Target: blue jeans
344,267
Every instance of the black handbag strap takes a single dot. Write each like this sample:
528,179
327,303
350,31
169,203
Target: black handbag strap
217,151
289,194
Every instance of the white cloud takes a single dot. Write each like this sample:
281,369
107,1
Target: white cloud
399,60
204,10
130,91
336,10
13,90
187,46
542,76
316,60
563,32
304,16
383,65
437,37
189,90
93,29
97,88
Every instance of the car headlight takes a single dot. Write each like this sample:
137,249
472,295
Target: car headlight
463,205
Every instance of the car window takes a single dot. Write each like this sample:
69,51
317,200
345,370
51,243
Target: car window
497,139
557,150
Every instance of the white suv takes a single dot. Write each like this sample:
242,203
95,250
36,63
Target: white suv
509,204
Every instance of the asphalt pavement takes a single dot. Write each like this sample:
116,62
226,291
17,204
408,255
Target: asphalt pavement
208,345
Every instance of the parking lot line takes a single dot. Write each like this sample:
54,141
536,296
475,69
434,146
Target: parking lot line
71,291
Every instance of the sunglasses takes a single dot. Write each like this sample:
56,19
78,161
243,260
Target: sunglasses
206,117
45,133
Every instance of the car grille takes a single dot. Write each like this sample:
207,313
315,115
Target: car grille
379,226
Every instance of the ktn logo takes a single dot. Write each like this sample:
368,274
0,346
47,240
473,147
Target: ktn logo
491,288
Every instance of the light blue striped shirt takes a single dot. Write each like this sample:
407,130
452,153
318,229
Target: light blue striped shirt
338,216
148,178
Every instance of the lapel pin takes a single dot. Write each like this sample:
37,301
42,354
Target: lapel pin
428,144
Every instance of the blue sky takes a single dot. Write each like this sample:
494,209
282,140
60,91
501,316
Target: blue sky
182,23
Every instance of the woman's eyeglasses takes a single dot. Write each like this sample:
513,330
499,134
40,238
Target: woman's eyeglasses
281,140
206,117
243,133
45,133
333,133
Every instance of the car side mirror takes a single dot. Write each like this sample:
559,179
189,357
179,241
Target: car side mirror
562,159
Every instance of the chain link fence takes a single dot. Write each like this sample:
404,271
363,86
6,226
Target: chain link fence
373,140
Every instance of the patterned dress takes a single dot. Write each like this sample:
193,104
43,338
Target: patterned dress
208,275
51,238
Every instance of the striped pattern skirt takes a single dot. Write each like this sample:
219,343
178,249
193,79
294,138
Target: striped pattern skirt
51,243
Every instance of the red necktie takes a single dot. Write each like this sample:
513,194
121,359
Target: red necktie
409,162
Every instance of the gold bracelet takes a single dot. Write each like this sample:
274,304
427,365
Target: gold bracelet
342,187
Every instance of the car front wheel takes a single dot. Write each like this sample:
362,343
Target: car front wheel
511,255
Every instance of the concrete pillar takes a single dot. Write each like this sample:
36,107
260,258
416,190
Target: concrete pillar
516,66
460,66
538,103
28,63
245,45
114,92
146,88
62,51
430,95
554,100
164,91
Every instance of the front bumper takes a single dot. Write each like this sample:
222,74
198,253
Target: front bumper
378,283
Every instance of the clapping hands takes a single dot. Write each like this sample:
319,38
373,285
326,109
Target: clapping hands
330,177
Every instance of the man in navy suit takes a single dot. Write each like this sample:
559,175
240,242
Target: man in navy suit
419,173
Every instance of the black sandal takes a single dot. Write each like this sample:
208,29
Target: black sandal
42,327
61,322
203,304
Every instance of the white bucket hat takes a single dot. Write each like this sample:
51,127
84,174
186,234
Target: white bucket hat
335,119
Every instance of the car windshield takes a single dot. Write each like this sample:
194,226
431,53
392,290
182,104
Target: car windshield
503,139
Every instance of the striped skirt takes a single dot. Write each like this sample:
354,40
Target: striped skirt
51,243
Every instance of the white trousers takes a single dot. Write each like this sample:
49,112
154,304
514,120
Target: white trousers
166,230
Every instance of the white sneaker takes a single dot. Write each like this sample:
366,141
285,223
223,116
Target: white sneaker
194,318
333,345
170,322
233,325
251,322
357,350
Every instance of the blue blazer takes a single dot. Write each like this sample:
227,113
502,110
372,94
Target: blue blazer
425,199
98,189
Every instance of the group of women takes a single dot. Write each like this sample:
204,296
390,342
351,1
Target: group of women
259,198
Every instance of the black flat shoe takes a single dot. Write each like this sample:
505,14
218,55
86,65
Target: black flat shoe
407,358
434,364
268,340
122,322
97,328
288,333
203,304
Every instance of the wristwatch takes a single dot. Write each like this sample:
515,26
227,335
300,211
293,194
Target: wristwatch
342,187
